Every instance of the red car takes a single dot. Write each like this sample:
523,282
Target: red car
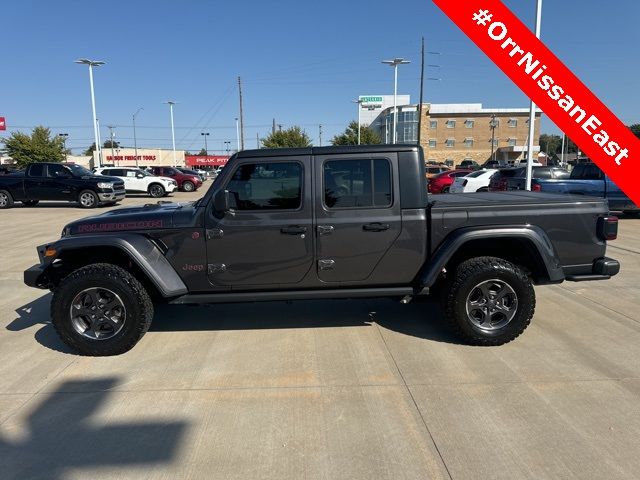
185,181
441,183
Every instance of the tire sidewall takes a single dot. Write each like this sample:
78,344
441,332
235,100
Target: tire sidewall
156,185
516,280
9,202
188,186
96,200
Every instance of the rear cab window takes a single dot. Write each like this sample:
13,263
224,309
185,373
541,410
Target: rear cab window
358,183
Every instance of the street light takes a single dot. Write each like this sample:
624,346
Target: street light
359,102
205,135
135,140
171,103
394,63
532,108
64,136
93,63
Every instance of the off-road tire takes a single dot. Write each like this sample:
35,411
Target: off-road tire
6,200
139,309
86,194
473,272
30,203
188,186
156,190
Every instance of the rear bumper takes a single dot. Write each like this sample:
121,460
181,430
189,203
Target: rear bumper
603,269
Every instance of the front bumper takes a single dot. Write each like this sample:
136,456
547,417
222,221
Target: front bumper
602,269
111,196
35,276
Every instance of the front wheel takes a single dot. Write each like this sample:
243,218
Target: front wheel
490,301
156,190
188,186
88,199
6,200
100,310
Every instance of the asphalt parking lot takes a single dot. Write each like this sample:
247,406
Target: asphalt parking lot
365,389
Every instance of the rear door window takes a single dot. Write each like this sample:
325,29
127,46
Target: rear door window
36,170
362,183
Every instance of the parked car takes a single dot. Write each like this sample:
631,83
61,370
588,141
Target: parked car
268,230
469,164
189,171
137,180
477,181
188,182
433,170
441,183
494,164
59,182
587,179
515,178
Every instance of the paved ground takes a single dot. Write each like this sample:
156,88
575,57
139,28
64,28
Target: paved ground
321,389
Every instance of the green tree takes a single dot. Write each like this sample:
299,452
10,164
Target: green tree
89,151
635,128
107,144
288,138
202,152
37,147
350,136
550,144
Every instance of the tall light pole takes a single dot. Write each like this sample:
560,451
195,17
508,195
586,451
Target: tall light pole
359,103
532,108
238,134
111,137
96,137
319,133
205,135
135,140
394,63
64,136
171,103
99,147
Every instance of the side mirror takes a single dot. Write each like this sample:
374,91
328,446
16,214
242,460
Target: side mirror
222,202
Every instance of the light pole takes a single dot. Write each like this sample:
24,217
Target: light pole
135,140
493,124
359,103
111,137
394,63
171,103
205,135
237,134
227,146
64,136
93,63
532,108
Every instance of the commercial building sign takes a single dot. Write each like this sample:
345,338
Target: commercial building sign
121,158
3,123
206,160
370,102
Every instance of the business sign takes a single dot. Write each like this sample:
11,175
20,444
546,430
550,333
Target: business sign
121,158
3,123
370,102
206,160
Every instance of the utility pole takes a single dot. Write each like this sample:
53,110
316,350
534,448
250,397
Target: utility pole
237,135
257,140
320,129
241,114
279,127
421,91
273,126
205,135
111,127
135,140
64,136
493,124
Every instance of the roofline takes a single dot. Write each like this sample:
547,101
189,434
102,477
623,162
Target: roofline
331,150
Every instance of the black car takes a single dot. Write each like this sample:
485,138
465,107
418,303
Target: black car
516,178
470,165
59,182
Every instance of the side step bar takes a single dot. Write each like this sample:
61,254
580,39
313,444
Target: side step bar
240,297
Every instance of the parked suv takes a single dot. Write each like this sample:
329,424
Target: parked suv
186,182
137,180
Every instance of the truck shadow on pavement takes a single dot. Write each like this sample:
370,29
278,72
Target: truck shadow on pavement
422,320
63,433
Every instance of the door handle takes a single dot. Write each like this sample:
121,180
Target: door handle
376,227
293,230
325,229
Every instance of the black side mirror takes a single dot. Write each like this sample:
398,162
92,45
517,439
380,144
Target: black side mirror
222,202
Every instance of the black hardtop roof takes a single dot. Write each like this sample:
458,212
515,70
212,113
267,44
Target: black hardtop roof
332,150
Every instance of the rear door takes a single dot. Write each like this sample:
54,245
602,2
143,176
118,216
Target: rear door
34,181
357,213
268,239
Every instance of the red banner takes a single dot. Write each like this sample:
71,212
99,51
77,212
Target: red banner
208,160
3,123
552,86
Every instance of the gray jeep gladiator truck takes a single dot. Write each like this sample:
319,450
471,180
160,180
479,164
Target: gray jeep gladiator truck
319,223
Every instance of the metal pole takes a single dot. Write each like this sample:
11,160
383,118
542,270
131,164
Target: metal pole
95,118
320,133
395,107
237,134
173,137
135,140
562,151
99,143
532,110
359,103
493,136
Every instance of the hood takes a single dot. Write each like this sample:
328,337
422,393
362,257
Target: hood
152,216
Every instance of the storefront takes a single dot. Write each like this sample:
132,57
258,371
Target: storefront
207,162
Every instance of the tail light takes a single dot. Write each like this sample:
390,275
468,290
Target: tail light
608,228
536,187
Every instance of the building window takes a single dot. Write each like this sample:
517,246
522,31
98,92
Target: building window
433,124
512,142
410,133
468,142
495,142
513,122
451,124
433,143
410,116
450,143
468,123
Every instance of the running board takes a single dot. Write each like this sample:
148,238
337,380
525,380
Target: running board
240,297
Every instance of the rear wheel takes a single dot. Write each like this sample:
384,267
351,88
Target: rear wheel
6,200
30,203
156,190
445,189
100,310
483,189
188,186
490,301
88,199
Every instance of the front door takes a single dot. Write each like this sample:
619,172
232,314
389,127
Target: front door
267,239
357,214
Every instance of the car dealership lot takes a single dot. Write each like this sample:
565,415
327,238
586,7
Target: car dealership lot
335,389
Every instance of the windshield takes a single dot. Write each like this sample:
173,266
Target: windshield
78,170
